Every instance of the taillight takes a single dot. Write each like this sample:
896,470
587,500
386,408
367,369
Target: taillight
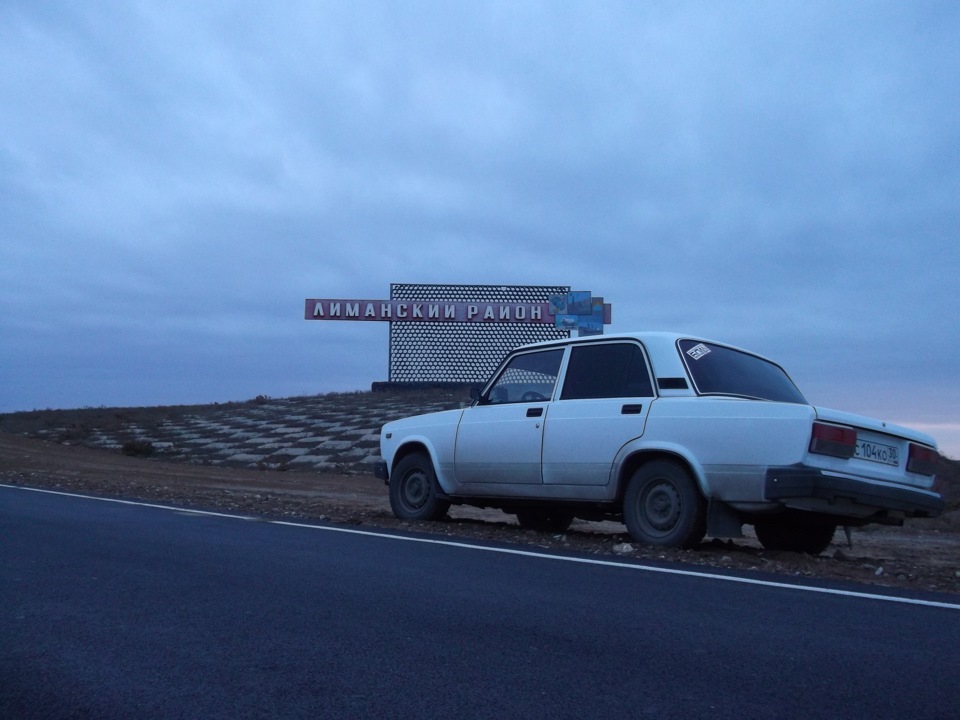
922,459
833,440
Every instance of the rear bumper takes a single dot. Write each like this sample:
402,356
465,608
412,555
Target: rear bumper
801,486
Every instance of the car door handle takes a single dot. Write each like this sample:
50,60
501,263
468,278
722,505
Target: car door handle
534,412
631,409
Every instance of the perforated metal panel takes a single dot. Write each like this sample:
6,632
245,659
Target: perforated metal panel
465,353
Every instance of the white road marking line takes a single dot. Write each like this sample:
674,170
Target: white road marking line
512,551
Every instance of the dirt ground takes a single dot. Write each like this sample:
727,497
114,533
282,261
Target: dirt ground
922,555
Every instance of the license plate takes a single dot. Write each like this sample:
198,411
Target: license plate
877,452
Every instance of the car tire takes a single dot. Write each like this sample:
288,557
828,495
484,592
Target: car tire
795,534
663,506
414,493
544,520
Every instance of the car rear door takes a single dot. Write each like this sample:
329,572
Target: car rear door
603,404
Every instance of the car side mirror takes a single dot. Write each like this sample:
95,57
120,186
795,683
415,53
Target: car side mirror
475,394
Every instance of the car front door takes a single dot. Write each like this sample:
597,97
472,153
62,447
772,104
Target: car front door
604,402
499,439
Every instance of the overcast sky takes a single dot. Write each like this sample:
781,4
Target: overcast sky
177,177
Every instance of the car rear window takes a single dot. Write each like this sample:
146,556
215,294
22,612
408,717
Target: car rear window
719,370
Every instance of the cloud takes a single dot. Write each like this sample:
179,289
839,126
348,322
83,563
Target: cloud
175,179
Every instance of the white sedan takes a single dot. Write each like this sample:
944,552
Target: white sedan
678,437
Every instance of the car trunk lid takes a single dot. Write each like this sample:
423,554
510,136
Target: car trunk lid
881,449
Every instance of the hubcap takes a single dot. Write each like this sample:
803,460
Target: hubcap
415,489
661,507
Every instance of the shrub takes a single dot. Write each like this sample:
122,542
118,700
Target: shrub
137,448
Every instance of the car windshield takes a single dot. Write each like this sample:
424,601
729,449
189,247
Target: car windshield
719,370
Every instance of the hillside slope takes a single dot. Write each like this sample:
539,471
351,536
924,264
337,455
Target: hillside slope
333,433
338,432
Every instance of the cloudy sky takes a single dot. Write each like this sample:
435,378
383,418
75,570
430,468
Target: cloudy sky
177,177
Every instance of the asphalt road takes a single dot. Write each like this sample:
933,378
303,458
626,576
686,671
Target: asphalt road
110,610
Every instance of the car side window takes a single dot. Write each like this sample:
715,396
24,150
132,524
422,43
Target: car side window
606,370
527,378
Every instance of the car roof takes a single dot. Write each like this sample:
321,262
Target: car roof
650,335
657,338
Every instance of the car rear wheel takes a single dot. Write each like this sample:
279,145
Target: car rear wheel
544,520
793,533
414,494
663,506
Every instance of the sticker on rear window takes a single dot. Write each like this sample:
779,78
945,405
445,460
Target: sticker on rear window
698,351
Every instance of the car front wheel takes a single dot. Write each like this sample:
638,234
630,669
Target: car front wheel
414,494
663,506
